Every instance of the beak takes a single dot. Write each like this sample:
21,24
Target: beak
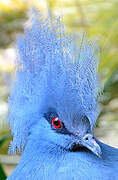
89,142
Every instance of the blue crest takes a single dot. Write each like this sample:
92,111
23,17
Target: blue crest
53,71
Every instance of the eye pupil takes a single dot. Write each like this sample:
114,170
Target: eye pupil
56,122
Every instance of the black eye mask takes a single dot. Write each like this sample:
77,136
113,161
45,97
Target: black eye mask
55,123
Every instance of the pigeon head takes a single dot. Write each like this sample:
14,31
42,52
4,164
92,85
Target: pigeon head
55,88
73,135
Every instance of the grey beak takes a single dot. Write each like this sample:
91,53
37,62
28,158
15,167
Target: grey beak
89,142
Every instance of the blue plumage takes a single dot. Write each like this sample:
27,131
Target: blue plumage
55,79
43,159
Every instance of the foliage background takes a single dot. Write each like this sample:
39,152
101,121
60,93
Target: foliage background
99,18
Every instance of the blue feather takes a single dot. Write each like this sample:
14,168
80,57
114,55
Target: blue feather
55,73
49,74
43,159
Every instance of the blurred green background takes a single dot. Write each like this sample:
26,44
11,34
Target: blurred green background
99,18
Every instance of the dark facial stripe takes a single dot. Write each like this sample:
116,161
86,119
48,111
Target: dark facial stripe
63,130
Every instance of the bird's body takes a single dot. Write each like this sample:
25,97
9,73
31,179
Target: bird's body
53,108
42,160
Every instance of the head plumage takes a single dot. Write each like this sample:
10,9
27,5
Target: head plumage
53,71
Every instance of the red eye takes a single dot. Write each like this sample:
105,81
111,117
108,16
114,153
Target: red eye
56,122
